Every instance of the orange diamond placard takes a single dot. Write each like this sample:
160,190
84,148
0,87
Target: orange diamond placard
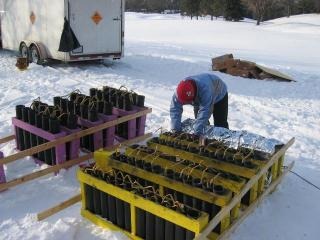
32,17
96,17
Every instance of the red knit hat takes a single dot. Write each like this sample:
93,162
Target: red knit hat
186,91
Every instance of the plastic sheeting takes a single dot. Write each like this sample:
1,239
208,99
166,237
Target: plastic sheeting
68,41
236,139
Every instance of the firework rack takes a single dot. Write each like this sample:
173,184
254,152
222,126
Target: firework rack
130,191
69,131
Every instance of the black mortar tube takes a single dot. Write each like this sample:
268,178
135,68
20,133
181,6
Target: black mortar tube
20,132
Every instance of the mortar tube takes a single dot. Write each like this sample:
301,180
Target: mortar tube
169,173
63,120
56,101
97,201
169,231
93,115
26,135
84,109
120,222
112,206
76,108
100,106
150,222
47,153
187,200
139,163
93,92
179,233
192,214
73,96
127,211
72,121
107,108
148,167
159,229
134,97
70,107
104,205
64,104
120,102
54,128
196,203
88,190
32,121
178,195
40,140
127,103
141,223
140,100
20,132
99,95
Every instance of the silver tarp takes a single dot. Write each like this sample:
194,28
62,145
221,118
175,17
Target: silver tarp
236,139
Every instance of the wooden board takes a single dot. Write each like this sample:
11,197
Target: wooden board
7,139
43,172
67,164
275,73
61,206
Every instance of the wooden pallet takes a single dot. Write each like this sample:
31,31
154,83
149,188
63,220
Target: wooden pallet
207,233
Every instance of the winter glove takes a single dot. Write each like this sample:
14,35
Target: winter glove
202,141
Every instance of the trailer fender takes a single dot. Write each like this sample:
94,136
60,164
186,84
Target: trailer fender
40,50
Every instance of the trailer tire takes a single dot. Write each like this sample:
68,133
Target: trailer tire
24,50
35,56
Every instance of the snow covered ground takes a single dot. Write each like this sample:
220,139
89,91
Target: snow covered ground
160,51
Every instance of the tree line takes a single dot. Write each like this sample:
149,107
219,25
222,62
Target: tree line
230,10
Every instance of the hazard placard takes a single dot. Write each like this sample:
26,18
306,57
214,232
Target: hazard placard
32,17
96,17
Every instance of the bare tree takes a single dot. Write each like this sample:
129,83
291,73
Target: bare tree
289,6
259,8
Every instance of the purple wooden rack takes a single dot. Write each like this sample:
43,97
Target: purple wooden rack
74,144
132,124
97,136
2,175
141,121
109,133
60,150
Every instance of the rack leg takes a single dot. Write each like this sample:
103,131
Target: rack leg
2,174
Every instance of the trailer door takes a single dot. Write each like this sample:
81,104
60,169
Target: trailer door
97,25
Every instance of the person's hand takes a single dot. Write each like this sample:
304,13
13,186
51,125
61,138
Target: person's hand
174,131
202,141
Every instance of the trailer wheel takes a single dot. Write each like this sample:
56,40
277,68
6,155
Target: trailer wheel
23,50
35,55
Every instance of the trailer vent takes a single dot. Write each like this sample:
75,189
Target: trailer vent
96,17
32,17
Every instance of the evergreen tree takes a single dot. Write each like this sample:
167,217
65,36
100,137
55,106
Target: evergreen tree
214,8
185,6
195,8
307,6
218,8
206,7
233,10
191,7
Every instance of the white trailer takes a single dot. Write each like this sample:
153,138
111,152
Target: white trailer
66,30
